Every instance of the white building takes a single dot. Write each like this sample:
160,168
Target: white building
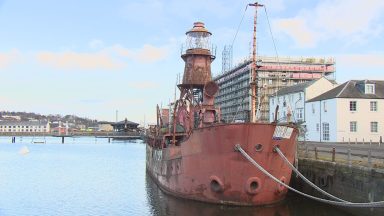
352,112
292,99
24,127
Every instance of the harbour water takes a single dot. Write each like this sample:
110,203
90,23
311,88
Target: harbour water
89,176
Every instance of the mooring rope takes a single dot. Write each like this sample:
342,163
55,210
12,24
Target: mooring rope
305,179
379,204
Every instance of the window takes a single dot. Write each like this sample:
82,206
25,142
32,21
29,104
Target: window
313,108
299,114
352,105
369,88
353,126
324,106
374,127
317,127
326,131
373,106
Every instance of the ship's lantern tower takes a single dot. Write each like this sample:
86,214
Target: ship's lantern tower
198,57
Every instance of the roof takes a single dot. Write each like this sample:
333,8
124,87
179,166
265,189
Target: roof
123,123
295,88
105,122
353,89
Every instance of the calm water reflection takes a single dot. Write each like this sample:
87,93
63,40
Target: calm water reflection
163,204
88,176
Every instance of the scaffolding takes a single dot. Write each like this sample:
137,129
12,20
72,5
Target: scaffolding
273,74
226,58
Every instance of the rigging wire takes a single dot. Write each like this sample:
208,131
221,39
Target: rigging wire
238,27
270,31
277,54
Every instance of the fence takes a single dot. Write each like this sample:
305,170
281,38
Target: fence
360,154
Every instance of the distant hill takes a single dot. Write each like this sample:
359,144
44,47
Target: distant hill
27,116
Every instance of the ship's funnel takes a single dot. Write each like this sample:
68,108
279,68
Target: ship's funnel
210,89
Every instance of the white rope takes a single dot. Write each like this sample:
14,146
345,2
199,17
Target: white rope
379,204
305,179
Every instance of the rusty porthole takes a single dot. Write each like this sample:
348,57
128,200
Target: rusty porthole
254,185
216,184
259,147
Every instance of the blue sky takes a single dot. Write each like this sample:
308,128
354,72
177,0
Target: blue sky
91,58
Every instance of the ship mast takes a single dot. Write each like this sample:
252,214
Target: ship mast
255,96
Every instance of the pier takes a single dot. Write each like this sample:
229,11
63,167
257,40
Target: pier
351,171
108,135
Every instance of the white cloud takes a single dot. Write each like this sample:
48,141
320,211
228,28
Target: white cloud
146,54
362,60
96,44
348,20
8,58
108,58
143,85
360,66
76,60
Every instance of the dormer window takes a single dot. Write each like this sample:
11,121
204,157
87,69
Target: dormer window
369,88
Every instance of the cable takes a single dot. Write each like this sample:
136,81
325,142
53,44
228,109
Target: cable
270,31
238,27
379,204
305,179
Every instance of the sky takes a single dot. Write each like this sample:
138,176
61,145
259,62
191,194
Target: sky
92,58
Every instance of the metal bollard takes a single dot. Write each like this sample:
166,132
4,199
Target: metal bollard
369,158
349,158
355,141
333,154
306,151
316,153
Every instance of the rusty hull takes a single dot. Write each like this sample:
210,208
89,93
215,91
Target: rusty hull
206,167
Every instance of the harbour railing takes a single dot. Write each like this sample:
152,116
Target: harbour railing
369,154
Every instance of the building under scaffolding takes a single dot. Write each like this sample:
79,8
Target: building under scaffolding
273,74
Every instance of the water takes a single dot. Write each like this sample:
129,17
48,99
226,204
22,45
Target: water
88,176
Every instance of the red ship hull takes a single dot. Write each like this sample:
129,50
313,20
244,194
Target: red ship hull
207,168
